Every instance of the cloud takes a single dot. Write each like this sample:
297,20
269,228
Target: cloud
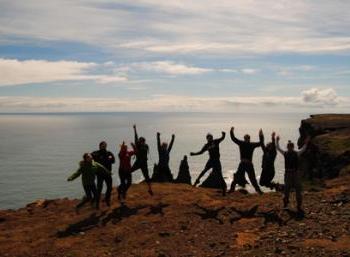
327,97
200,26
16,72
174,68
166,67
312,99
287,71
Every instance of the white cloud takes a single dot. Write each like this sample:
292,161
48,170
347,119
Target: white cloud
167,67
16,72
179,27
313,99
325,97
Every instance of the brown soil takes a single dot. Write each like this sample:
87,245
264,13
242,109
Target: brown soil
180,220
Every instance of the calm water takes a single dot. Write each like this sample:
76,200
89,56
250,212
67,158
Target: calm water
38,152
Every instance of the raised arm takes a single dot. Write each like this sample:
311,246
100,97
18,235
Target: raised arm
134,150
171,143
223,134
200,152
273,139
233,138
158,141
75,175
262,140
303,149
135,134
278,146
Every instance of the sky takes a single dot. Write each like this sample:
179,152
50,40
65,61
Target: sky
155,55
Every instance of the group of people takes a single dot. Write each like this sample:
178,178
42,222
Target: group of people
99,165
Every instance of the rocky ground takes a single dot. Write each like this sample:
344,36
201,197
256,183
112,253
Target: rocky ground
180,220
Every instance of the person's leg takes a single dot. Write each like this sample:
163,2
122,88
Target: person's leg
207,167
252,178
121,187
287,188
145,173
99,189
93,191
87,197
217,168
128,181
298,192
108,180
237,177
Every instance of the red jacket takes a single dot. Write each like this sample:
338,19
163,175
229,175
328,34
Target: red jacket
125,159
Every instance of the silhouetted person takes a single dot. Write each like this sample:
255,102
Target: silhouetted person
162,172
88,170
246,149
291,175
142,150
124,170
184,176
106,158
268,162
212,146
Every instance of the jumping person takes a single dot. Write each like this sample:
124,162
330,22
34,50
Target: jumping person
246,149
291,175
106,159
163,173
212,146
88,170
124,170
268,163
142,150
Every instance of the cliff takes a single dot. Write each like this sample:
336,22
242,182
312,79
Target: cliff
329,153
180,220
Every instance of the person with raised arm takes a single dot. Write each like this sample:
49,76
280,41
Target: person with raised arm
163,172
291,176
88,169
125,170
268,163
246,149
214,163
141,162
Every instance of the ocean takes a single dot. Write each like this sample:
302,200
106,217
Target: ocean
39,151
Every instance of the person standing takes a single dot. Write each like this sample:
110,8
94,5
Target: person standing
246,149
105,158
291,176
141,162
214,163
88,169
124,170
268,163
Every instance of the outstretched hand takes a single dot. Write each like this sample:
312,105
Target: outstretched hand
278,138
134,126
173,135
191,153
273,135
232,129
158,133
223,133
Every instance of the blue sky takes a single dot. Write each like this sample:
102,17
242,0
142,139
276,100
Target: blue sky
152,55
